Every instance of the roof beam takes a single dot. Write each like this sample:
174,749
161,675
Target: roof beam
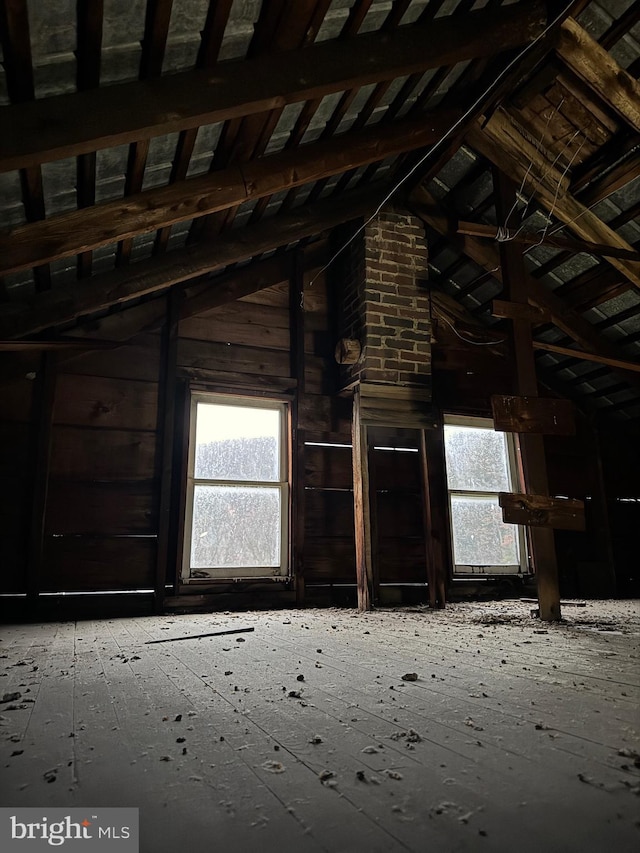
528,238
593,64
78,123
71,301
485,255
80,230
502,142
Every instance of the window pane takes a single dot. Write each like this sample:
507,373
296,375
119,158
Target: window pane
480,537
476,459
237,443
235,527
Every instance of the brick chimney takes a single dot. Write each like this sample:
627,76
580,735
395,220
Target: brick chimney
384,307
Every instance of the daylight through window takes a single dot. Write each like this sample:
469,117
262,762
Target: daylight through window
480,464
237,502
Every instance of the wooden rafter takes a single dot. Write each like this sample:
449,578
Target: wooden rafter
15,39
68,125
502,142
68,302
594,65
71,233
486,255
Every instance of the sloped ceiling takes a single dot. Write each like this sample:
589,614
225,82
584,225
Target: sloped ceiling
145,145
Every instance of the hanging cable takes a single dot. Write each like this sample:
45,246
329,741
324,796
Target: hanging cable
443,139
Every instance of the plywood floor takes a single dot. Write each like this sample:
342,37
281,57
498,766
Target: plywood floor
304,737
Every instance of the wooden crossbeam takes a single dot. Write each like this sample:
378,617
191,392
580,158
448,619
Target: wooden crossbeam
534,415
486,255
78,123
77,231
503,143
618,363
542,511
491,232
68,302
599,70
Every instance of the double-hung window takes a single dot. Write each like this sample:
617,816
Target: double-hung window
481,463
237,489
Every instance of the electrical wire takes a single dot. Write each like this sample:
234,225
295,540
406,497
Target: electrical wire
443,138
467,340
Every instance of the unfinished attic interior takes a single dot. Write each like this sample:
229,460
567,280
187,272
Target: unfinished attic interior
320,323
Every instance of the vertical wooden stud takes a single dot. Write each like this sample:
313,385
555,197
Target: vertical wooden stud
534,466
436,571
361,508
166,417
44,402
297,366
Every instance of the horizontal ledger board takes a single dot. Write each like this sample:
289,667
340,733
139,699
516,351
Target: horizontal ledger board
542,511
539,415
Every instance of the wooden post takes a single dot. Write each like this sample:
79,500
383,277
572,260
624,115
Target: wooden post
297,500
361,508
166,426
44,406
534,466
436,574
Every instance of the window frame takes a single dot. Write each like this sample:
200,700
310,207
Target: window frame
283,485
513,467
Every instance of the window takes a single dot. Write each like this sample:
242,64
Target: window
480,463
237,491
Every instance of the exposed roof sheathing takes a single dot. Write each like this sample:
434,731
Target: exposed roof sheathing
175,125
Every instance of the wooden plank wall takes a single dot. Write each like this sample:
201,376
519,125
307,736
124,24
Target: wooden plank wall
17,410
102,514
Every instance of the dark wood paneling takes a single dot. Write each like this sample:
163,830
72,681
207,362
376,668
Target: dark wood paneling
13,564
15,400
14,444
83,564
102,454
214,356
400,514
96,401
137,360
241,323
402,560
396,470
322,413
328,513
330,560
328,467
102,508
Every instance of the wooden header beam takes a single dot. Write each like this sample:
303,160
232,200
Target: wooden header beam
79,123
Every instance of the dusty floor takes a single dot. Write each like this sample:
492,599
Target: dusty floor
302,735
